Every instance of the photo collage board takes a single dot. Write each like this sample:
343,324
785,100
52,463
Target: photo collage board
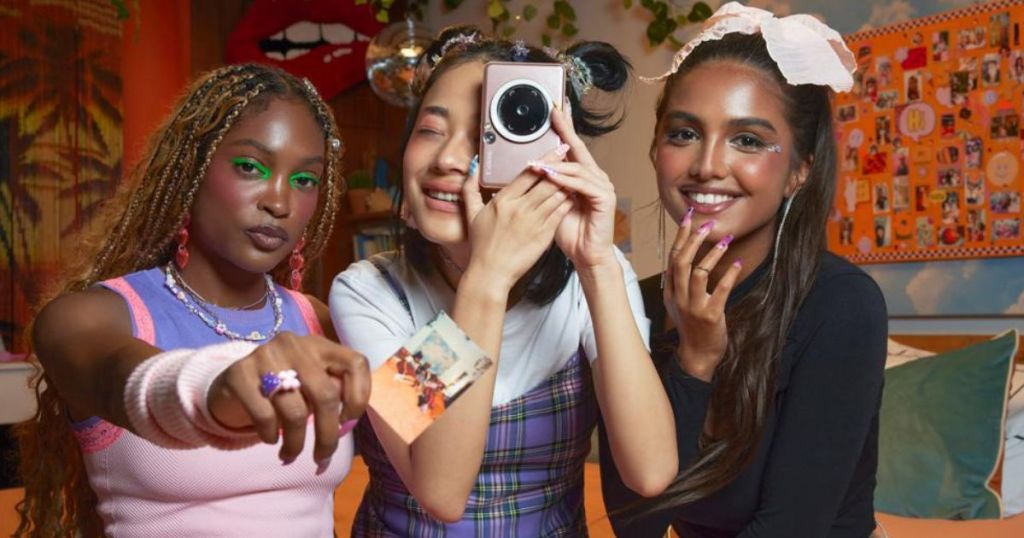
930,140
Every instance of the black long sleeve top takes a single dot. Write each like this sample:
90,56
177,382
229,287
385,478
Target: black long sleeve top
814,470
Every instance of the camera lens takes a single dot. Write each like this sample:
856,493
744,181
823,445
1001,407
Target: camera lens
523,110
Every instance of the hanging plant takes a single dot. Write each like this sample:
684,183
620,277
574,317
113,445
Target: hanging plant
560,21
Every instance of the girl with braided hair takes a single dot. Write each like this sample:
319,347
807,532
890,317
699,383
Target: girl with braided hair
533,277
173,332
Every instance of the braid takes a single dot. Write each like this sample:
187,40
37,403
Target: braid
135,230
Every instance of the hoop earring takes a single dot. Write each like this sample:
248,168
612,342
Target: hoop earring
297,262
181,256
786,206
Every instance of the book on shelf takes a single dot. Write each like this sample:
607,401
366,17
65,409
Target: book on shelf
371,240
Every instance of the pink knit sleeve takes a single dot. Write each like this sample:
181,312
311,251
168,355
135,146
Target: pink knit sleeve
165,398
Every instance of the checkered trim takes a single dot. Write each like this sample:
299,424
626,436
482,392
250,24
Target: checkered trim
969,11
939,253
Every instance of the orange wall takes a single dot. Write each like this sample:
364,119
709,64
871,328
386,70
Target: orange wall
155,67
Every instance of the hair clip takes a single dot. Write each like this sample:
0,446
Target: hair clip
519,51
335,144
310,87
580,77
461,40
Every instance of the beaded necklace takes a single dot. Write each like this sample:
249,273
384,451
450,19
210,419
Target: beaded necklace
211,320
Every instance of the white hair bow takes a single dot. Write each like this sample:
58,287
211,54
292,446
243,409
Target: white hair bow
805,49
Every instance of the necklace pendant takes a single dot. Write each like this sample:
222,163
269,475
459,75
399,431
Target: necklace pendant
220,328
255,335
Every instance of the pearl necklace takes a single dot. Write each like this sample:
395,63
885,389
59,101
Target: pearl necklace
211,320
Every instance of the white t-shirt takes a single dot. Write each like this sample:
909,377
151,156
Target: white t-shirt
537,341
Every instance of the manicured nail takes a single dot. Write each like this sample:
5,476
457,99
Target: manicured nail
548,171
706,227
688,216
346,427
323,465
287,461
725,241
738,262
473,165
562,150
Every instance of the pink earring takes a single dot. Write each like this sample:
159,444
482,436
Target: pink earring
181,256
297,262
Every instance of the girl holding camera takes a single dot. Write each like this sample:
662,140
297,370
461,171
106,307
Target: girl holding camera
772,348
531,274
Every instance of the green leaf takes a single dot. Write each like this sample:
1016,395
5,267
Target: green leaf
681,20
565,10
554,21
529,12
569,29
628,4
545,39
659,29
508,32
649,4
660,10
382,16
700,12
494,9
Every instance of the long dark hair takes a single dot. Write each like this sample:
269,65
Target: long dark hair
136,231
759,322
610,72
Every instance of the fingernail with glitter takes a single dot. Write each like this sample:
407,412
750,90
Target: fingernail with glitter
473,165
548,171
562,150
687,217
706,227
725,241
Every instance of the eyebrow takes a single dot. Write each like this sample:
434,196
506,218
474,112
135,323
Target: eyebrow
733,123
313,159
436,111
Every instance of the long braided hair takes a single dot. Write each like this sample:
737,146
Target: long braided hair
136,231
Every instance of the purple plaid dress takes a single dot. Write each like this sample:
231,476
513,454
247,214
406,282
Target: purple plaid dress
531,478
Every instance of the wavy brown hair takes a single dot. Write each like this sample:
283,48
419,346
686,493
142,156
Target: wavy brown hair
760,321
135,231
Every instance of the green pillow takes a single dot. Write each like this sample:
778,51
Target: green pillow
941,432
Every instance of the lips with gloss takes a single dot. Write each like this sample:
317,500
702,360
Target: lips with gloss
267,238
709,202
322,40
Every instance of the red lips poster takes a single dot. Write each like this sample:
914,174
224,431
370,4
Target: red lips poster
322,40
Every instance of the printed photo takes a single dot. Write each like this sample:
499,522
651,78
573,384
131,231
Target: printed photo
887,100
1005,229
1004,202
973,149
912,82
846,231
951,235
883,231
948,155
883,129
1016,66
951,208
883,70
881,198
947,126
875,162
999,31
846,113
940,46
974,190
971,38
990,75
948,177
421,380
925,232
851,159
1005,124
900,193
976,225
921,194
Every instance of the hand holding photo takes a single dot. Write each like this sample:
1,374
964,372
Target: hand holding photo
423,378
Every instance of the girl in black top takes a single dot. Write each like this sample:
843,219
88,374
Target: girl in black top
772,349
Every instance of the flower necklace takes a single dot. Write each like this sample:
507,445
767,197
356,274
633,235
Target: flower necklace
211,320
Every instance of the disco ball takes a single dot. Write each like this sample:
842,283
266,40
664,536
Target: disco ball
391,60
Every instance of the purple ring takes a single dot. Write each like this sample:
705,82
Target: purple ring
270,383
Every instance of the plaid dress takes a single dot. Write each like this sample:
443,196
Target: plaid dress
531,478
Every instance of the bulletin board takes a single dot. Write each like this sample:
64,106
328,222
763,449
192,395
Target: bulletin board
930,141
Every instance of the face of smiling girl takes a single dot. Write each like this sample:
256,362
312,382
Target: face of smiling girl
724,149
436,161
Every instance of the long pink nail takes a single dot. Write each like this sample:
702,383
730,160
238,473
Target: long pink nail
548,171
562,150
738,262
706,227
688,216
725,241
